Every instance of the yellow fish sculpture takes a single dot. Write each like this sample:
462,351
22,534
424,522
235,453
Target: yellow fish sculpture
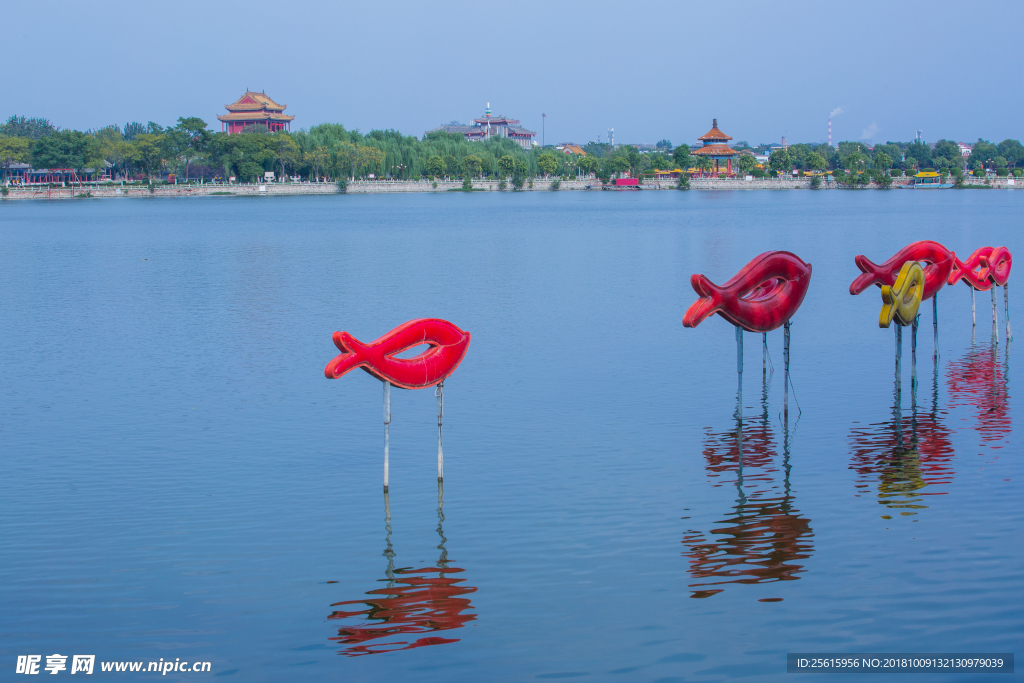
902,300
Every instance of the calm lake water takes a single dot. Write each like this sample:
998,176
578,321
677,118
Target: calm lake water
181,481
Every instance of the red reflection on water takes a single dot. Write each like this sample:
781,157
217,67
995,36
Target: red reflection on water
763,535
416,601
979,380
722,454
761,543
906,455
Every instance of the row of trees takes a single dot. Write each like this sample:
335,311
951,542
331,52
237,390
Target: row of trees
946,155
330,151
326,151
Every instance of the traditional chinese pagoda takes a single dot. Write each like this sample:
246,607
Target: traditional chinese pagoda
716,146
255,109
491,125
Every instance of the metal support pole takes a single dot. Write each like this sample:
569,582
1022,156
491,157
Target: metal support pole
1006,310
389,551
785,361
764,353
913,353
899,357
995,316
387,421
739,364
439,392
974,312
935,321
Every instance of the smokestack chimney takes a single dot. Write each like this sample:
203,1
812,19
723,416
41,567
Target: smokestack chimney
714,123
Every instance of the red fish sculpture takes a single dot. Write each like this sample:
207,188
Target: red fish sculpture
762,297
447,344
982,269
940,262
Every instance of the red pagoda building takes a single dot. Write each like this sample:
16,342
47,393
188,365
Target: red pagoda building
255,109
716,147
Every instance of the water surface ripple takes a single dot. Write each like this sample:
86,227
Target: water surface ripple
180,481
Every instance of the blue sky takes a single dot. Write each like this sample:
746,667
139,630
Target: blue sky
649,69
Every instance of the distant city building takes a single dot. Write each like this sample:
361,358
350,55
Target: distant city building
965,149
255,109
715,145
492,126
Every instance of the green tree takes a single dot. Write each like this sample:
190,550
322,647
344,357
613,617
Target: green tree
67,149
780,161
659,160
947,150
519,169
148,153
1012,150
187,141
664,144
506,165
847,147
635,160
343,158
978,168
681,155
14,150
891,149
855,161
368,157
117,151
435,165
703,163
815,162
983,152
616,164
882,162
131,129
317,158
746,163
22,127
958,177
451,164
921,152
588,164
471,165
798,154
286,151
547,163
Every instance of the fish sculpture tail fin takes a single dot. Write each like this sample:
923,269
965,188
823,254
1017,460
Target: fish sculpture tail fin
870,272
708,304
353,354
957,273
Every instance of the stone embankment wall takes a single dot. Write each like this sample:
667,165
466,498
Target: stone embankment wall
389,186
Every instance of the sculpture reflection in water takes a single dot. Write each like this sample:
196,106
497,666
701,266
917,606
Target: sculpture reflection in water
764,536
908,457
414,602
980,380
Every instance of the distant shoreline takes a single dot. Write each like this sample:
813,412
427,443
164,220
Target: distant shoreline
407,186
